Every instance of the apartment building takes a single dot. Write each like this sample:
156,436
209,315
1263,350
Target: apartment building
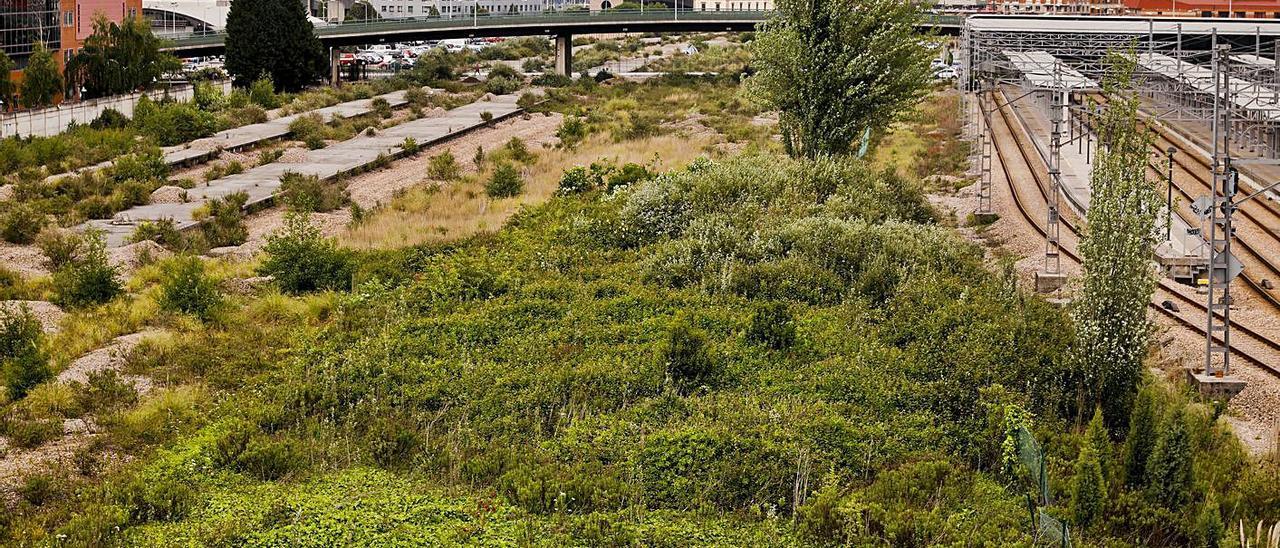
62,25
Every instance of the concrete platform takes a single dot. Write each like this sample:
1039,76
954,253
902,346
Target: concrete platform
261,182
1077,169
1215,388
1048,283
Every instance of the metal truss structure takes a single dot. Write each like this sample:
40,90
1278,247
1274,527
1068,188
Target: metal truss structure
1222,75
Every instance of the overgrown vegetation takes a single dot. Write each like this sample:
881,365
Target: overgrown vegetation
742,349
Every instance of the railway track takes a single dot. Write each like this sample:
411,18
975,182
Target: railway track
1024,157
1201,172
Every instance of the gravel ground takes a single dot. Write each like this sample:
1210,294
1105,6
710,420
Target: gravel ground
169,194
6,192
22,259
378,187
111,356
49,314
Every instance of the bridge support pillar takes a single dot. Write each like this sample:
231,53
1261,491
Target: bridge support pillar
564,54
334,63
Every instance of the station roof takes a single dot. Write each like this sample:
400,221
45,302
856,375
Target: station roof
1254,61
1092,24
1039,68
1245,94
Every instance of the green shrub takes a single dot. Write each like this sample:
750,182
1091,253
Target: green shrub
518,151
106,392
381,107
685,357
59,246
22,359
186,288
486,117
501,85
629,173
89,279
110,119
224,225
575,180
552,80
20,223
163,232
262,92
772,326
505,182
572,131
28,434
533,64
148,165
410,146
307,127
94,525
172,123
444,167
269,156
301,259
308,193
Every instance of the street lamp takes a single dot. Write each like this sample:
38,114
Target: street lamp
1169,197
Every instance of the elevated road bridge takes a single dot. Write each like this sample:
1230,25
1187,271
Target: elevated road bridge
561,25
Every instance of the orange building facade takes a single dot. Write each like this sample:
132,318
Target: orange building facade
1245,9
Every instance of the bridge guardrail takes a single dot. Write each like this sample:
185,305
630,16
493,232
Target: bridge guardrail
375,26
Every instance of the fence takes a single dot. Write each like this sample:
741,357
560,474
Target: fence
54,120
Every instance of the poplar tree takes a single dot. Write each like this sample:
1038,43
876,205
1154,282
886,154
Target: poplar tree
41,81
273,38
1111,311
838,70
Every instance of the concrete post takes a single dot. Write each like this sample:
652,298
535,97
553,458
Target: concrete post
334,58
564,54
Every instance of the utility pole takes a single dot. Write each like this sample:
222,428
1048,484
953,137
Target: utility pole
1168,220
984,164
1218,296
1053,247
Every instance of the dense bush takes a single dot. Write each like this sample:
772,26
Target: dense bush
20,223
89,278
302,260
772,326
223,223
685,356
163,232
59,246
172,123
109,119
308,193
505,182
23,363
185,287
444,167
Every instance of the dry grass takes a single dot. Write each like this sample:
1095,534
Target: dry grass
434,211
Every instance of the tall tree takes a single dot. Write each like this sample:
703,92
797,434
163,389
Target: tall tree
1088,487
1141,438
1096,436
273,38
1170,471
7,88
120,58
362,11
41,81
1111,311
838,70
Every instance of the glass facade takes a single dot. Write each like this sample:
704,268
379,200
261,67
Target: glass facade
23,23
